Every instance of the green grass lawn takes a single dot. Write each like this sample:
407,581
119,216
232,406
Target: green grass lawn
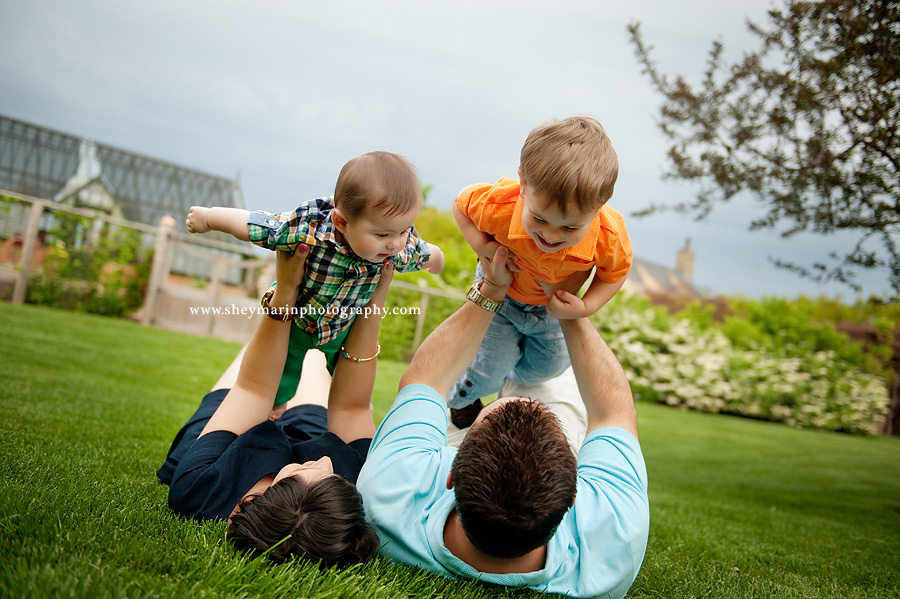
88,406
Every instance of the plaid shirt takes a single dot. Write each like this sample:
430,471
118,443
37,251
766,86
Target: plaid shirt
337,280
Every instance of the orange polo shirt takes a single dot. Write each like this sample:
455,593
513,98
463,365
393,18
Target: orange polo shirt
497,210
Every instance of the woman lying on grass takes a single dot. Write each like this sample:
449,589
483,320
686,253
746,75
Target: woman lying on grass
286,487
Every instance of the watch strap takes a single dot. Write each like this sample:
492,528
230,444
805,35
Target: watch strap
280,316
474,295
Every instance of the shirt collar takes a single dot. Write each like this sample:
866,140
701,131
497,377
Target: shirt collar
434,530
327,233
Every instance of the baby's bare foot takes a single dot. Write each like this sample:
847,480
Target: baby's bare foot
196,220
277,412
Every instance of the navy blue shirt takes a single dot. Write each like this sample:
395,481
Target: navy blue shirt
207,477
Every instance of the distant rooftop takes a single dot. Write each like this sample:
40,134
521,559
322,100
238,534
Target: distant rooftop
649,278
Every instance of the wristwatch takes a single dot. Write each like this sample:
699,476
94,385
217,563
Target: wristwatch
285,316
474,296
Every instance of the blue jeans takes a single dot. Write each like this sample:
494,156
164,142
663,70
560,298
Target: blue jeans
523,344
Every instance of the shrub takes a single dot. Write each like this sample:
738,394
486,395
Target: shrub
814,380
103,270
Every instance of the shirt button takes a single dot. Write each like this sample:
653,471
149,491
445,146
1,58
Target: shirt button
544,271
271,223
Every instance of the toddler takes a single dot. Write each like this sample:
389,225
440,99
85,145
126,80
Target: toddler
555,222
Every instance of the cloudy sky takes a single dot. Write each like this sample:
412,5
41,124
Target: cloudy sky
281,93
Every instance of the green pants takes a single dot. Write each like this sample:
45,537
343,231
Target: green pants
300,343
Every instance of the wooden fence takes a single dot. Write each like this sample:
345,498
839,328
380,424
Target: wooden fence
211,311
221,310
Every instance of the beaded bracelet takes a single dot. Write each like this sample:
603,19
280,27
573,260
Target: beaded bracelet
358,360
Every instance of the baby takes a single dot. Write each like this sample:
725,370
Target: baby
366,227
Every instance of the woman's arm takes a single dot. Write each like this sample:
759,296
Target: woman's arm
350,398
250,400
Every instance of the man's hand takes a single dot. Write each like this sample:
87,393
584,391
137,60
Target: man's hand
497,273
487,251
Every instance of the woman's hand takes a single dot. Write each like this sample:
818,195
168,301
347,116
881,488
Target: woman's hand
289,271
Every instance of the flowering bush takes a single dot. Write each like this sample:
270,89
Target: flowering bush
685,362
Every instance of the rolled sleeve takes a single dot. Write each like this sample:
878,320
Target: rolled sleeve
418,419
283,231
409,446
480,202
614,248
264,228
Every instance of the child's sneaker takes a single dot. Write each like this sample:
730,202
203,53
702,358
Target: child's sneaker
465,417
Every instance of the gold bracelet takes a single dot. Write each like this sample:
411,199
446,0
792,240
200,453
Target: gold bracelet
358,360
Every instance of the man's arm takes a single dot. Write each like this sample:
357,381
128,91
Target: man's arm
448,351
228,220
601,380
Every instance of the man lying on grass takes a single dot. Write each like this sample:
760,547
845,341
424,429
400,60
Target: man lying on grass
512,506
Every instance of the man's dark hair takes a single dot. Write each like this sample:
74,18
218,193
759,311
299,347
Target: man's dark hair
382,181
320,521
514,478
